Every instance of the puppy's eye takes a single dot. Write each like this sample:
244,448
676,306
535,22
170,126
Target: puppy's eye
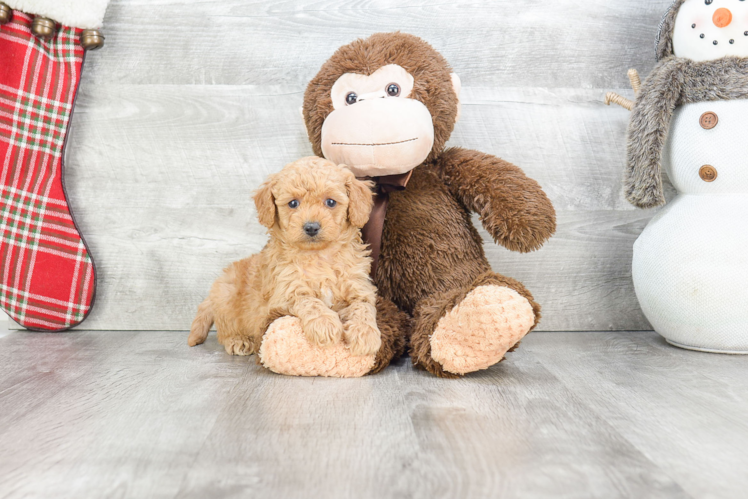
293,204
393,90
351,98
330,203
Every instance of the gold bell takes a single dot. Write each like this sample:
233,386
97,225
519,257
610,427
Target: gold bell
6,13
92,39
44,28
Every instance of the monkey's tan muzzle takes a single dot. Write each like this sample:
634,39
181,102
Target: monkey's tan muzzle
377,137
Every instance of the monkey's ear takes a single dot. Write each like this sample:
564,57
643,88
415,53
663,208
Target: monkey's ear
303,119
360,200
265,203
457,87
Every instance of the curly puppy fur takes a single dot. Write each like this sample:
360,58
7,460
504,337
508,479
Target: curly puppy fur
431,255
674,82
322,279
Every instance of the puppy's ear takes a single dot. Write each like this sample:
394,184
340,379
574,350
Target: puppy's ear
360,199
265,203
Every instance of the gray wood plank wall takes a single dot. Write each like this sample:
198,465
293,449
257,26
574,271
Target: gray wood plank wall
191,104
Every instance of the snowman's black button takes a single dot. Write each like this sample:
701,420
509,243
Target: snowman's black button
708,173
709,120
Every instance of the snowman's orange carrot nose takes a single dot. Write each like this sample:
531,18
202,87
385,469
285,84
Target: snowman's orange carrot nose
722,17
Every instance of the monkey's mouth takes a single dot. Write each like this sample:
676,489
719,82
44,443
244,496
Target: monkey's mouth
375,144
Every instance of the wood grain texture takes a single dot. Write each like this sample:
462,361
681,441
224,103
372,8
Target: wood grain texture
581,415
496,43
192,104
698,422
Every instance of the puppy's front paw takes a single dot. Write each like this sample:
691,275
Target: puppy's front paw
238,346
325,329
363,339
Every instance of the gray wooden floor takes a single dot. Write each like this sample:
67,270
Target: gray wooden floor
91,414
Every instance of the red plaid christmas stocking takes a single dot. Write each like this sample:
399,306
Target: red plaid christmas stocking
47,279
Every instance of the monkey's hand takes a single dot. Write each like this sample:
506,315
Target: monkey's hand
513,208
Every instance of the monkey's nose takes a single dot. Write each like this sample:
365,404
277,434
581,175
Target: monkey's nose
722,17
311,228
379,94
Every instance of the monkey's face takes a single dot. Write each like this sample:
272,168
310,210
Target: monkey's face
376,127
382,105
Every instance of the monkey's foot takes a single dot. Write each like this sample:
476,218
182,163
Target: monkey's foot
478,331
286,350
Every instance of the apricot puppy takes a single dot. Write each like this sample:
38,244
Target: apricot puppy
314,266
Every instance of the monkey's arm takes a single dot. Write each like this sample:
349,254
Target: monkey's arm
512,207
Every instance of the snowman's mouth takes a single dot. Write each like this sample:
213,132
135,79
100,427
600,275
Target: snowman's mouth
715,41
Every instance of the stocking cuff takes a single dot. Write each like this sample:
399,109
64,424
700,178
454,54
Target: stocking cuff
86,14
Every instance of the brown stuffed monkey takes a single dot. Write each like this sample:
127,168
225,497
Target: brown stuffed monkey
385,107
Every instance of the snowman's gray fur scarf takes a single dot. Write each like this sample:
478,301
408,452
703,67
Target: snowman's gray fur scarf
673,82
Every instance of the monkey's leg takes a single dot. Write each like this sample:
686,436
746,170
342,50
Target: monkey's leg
286,350
470,329
395,327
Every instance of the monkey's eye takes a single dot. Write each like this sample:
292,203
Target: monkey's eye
393,90
293,204
330,203
351,98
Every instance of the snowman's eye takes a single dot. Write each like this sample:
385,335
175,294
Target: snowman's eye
709,2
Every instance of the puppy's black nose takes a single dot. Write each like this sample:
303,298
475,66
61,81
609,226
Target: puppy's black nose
311,228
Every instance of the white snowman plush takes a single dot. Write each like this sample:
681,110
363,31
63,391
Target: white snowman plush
690,265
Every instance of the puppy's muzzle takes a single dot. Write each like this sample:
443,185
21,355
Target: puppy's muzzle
312,229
